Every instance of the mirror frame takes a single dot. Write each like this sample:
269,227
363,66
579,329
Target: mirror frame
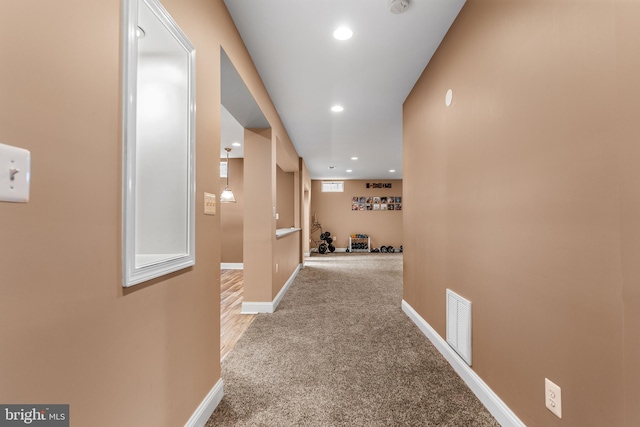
133,275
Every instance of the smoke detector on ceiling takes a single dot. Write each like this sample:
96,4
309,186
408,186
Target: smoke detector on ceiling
398,6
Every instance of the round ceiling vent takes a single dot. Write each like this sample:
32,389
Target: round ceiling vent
398,6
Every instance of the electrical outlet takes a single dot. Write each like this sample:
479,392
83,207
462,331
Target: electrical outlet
276,268
553,397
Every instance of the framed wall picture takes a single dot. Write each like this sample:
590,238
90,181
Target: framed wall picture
376,203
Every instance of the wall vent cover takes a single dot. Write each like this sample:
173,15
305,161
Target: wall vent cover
459,325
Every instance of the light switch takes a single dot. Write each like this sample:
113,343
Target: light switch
15,174
209,204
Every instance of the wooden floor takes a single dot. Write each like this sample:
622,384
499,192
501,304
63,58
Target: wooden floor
232,323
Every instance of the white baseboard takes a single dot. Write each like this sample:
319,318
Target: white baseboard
307,254
207,406
269,307
286,286
489,399
256,307
232,266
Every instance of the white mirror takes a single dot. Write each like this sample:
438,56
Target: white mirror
158,143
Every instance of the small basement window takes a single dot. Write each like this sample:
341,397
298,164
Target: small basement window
333,186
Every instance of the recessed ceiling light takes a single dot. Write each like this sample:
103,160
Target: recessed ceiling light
236,144
332,167
343,33
349,171
337,108
354,158
392,170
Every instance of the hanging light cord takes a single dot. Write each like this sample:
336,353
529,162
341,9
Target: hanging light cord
227,186
227,195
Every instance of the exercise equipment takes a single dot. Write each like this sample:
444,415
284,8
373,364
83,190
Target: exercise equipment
326,241
359,243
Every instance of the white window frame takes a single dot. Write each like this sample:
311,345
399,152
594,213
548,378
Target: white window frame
333,186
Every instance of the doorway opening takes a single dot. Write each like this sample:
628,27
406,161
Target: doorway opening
238,112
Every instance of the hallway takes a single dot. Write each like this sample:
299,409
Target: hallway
340,351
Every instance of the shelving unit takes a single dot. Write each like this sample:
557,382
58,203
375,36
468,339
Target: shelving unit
360,244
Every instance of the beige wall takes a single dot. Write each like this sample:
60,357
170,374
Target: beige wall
262,250
259,220
70,333
232,215
287,256
524,196
284,198
286,156
305,214
334,213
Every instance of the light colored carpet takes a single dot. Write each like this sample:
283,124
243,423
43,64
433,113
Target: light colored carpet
339,351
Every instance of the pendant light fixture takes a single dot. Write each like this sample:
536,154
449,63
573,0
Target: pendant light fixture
227,194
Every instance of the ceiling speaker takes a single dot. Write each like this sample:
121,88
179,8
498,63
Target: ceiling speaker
398,6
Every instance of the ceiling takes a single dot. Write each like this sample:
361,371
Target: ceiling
306,71
239,110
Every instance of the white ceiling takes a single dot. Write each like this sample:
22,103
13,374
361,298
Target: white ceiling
306,71
231,131
238,110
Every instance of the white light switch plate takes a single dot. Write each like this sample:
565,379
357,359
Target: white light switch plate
15,174
209,204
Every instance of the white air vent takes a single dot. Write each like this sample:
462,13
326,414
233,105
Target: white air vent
459,325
